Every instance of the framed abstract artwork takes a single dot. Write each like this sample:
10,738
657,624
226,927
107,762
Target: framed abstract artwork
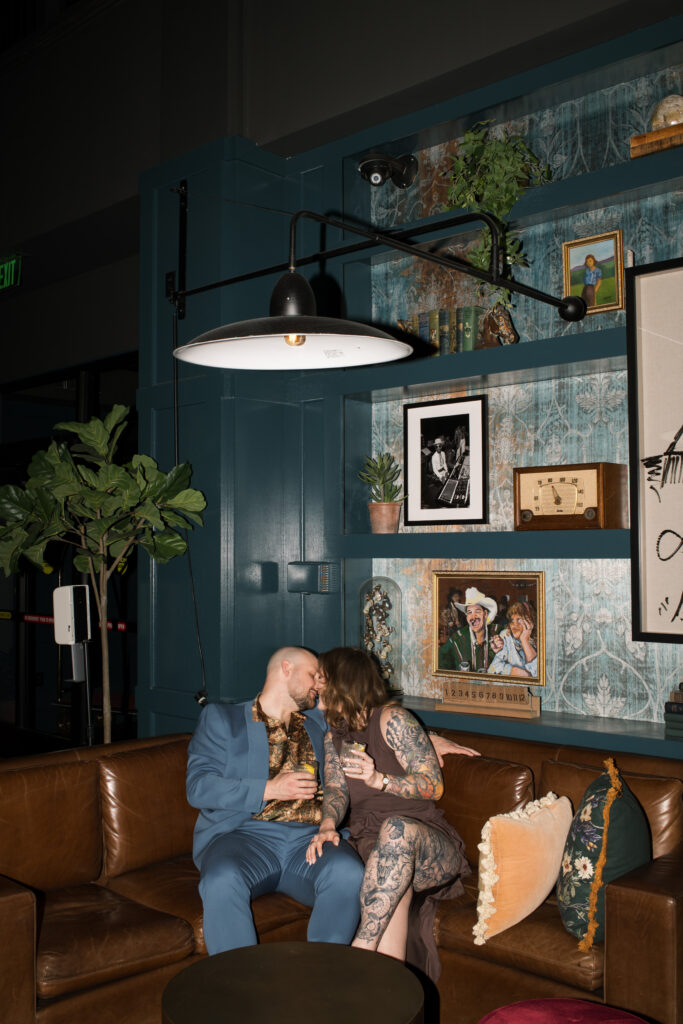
654,318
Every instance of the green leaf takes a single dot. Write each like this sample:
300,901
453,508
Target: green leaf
15,503
115,416
151,513
188,500
93,434
168,545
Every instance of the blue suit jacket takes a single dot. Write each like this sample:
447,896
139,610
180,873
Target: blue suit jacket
227,768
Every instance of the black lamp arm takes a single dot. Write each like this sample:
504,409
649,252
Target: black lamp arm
573,306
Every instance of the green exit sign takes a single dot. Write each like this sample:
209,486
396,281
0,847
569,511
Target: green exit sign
10,272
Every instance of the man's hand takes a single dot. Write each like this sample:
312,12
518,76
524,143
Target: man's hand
444,746
288,785
496,643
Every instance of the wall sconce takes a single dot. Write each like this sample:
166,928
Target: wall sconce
294,337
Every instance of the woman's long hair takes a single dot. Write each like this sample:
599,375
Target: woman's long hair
526,611
353,686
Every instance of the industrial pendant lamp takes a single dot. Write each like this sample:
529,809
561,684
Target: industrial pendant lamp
294,337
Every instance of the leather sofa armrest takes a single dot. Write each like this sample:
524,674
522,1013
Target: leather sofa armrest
17,952
644,939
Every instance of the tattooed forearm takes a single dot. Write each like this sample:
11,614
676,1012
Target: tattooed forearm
335,789
415,754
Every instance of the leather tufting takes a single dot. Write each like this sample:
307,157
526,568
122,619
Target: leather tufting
145,785
89,935
475,788
49,825
660,798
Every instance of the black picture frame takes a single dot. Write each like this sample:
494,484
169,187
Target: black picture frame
654,324
453,490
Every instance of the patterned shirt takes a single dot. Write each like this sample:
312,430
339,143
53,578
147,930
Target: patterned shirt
287,747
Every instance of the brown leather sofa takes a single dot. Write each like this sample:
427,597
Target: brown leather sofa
99,906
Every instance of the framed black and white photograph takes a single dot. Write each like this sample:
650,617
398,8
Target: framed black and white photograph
654,318
445,461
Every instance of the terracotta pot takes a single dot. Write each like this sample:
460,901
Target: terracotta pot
384,516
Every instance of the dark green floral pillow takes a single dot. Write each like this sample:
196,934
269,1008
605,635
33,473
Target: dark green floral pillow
609,836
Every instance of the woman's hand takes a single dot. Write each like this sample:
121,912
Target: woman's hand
362,767
315,847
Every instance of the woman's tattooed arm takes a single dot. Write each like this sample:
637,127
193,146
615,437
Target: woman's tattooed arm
335,789
415,753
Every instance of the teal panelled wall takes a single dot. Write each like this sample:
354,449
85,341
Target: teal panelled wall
277,455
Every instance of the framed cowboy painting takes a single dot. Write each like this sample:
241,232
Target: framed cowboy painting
489,625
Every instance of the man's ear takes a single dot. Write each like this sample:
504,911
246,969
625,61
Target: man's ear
286,667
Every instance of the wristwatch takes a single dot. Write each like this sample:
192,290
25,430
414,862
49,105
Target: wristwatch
385,783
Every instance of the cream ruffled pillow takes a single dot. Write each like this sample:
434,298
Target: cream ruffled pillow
521,855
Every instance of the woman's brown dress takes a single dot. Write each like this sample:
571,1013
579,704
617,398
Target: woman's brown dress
370,807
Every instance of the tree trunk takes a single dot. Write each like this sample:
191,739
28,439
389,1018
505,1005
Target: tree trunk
104,641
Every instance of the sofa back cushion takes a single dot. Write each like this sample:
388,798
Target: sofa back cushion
476,788
660,798
146,817
50,832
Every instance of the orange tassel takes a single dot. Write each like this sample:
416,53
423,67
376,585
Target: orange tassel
612,794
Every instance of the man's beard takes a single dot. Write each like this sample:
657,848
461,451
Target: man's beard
304,703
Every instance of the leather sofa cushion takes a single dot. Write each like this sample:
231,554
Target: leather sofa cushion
660,798
475,788
145,815
50,833
539,944
89,936
171,887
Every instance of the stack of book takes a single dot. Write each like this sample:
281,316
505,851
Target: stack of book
673,715
445,330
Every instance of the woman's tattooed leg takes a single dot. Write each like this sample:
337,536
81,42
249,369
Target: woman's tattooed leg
406,853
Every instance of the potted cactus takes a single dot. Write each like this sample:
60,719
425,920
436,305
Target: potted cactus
381,475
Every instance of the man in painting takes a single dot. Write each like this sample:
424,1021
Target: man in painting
592,279
439,460
469,649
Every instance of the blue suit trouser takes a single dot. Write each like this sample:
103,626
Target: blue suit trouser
265,856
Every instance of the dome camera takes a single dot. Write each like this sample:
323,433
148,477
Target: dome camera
377,168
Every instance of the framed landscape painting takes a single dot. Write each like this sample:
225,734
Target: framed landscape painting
593,268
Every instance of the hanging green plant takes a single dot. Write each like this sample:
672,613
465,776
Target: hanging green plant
491,171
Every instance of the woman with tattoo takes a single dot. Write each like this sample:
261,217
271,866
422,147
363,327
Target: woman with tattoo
390,788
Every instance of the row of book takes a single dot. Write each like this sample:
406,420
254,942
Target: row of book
673,715
445,330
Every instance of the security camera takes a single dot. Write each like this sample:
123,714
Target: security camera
377,168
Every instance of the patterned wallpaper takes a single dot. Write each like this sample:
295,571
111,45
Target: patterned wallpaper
592,665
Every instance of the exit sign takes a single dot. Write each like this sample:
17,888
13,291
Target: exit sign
10,272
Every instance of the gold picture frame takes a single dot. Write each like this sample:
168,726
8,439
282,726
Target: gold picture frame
599,282
516,596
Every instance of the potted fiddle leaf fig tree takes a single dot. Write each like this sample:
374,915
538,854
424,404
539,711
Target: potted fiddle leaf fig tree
381,475
492,169
78,494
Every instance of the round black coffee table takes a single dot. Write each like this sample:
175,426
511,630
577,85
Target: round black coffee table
293,983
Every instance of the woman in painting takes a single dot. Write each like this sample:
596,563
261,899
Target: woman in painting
592,279
391,787
515,646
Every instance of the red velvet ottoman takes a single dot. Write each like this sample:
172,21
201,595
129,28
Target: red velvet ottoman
558,1011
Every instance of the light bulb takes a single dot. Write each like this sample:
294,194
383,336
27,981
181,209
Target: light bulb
295,339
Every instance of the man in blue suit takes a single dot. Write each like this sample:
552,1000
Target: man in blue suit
258,812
